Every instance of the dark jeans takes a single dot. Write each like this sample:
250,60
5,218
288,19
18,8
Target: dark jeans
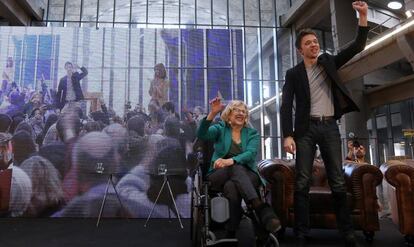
326,135
236,182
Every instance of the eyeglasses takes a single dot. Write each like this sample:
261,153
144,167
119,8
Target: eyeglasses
239,111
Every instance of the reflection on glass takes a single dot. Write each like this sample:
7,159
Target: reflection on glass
236,12
187,12
267,14
251,12
89,10
73,10
284,51
122,10
106,11
219,12
203,12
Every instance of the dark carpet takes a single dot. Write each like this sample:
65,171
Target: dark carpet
388,236
57,232
159,232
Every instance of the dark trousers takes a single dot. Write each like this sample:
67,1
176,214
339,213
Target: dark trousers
236,182
326,135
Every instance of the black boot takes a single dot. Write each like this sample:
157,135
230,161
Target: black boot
268,218
343,215
351,241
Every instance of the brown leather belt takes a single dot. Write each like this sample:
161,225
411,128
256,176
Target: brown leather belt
321,118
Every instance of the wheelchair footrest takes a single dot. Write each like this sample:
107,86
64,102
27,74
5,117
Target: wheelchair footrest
221,242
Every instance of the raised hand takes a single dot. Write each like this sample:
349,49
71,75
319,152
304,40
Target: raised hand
215,105
361,7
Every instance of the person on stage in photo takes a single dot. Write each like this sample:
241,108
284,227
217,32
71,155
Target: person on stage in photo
159,85
233,165
320,99
69,88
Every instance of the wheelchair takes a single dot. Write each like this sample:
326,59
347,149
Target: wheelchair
210,211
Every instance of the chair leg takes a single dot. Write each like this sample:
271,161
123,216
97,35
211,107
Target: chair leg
369,236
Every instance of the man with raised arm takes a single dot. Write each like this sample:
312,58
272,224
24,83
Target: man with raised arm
320,99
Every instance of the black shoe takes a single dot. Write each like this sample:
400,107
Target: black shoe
351,241
268,218
300,241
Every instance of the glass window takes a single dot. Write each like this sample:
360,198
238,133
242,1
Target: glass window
56,10
89,9
139,11
220,12
252,12
203,12
267,14
396,119
106,11
252,59
282,6
187,12
399,149
171,8
396,107
155,11
73,11
381,122
236,12
122,10
268,58
284,52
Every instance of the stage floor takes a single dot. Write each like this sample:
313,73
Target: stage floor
57,232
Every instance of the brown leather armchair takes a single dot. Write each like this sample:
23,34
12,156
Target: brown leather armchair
361,179
399,188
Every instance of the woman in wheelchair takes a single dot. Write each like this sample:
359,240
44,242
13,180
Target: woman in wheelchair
233,168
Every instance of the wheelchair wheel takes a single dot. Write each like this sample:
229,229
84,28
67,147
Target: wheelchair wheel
196,213
271,241
197,240
246,233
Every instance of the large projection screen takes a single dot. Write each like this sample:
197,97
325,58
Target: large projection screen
88,104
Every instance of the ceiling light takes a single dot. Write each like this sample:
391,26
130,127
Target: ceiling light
394,5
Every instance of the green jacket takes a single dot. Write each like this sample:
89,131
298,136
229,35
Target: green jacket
220,134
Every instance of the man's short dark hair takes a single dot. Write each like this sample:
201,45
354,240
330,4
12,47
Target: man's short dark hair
169,107
68,63
302,33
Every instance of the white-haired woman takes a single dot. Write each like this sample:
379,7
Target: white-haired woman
233,167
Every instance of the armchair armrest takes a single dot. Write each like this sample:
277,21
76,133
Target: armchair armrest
280,177
400,175
362,180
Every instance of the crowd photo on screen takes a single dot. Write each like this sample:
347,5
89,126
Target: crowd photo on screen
67,125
